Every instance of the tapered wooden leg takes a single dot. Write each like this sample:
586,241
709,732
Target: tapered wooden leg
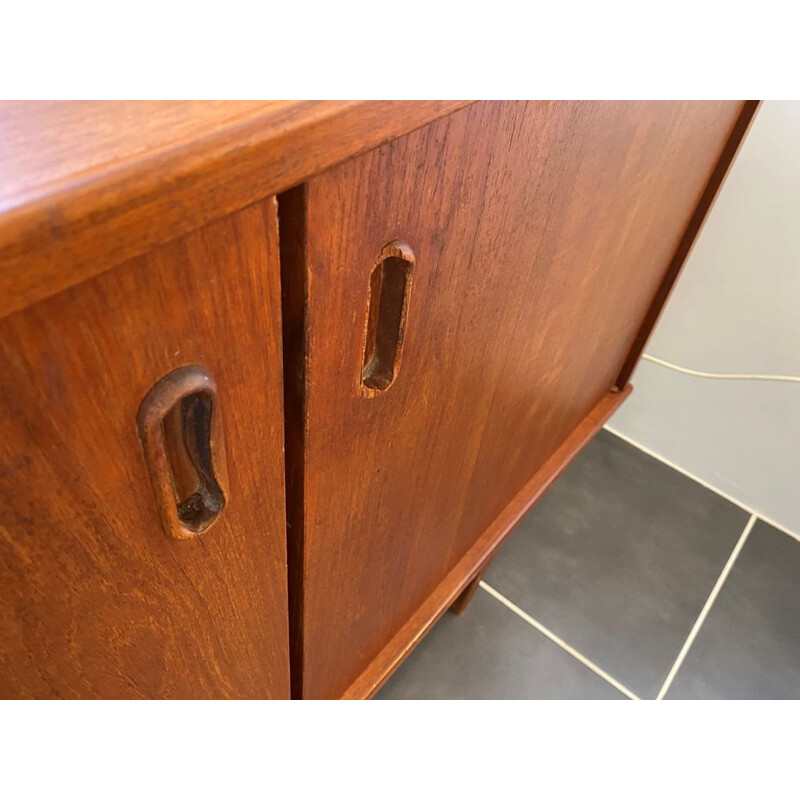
462,601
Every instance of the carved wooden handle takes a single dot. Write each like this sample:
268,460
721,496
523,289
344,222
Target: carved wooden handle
389,291
181,435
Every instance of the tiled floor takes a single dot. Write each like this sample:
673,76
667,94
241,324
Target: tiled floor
627,579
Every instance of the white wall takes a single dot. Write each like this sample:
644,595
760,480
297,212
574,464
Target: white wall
736,308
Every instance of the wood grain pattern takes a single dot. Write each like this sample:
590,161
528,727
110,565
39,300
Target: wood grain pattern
738,133
542,232
88,185
95,601
400,646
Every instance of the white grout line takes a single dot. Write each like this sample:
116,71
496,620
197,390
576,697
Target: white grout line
559,641
703,483
706,608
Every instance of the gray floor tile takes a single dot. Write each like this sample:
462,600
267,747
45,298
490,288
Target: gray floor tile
489,653
749,645
619,558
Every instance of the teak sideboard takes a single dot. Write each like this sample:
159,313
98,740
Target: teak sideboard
279,377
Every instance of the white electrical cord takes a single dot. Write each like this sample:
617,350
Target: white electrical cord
721,375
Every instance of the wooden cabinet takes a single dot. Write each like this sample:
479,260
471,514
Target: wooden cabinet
387,366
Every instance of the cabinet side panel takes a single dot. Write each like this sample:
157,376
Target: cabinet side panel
540,234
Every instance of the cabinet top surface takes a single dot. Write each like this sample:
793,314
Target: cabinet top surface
50,146
85,185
